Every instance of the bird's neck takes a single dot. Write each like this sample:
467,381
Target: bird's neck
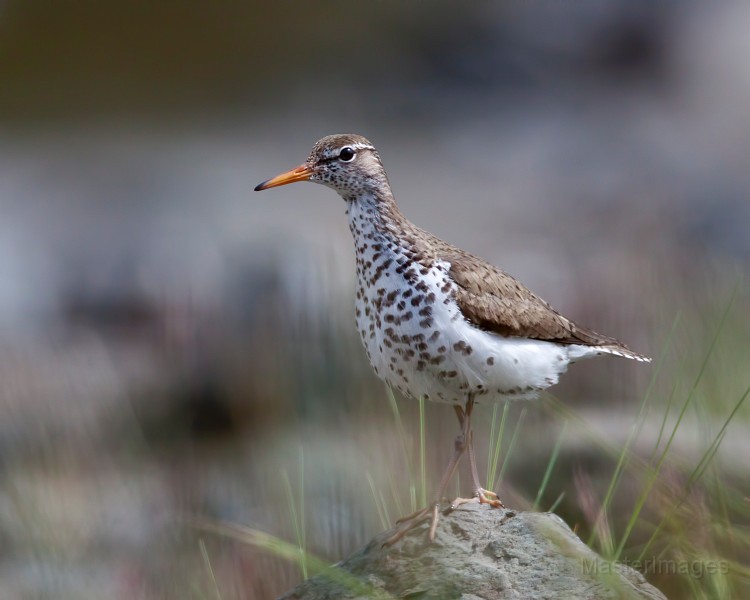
374,217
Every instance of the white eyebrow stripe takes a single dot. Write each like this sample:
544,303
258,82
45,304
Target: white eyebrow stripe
356,147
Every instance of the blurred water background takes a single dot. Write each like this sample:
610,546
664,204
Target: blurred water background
173,344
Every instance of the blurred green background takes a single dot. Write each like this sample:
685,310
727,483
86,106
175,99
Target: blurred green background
174,346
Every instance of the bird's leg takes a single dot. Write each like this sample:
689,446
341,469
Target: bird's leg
480,495
406,524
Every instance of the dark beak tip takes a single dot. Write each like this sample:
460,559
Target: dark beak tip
259,187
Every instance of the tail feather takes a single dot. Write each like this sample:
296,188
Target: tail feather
580,351
624,352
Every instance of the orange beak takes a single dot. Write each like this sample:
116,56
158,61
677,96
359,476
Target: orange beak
301,173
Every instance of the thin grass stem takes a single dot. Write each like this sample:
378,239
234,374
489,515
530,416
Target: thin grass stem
513,439
209,568
422,454
550,466
496,444
647,489
634,432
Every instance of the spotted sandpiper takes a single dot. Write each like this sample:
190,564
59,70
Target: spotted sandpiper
437,322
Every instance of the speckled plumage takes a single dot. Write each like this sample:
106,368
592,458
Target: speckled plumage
438,322
435,320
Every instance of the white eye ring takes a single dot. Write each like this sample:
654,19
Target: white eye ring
347,154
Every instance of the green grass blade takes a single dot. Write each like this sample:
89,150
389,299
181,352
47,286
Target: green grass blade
556,503
422,454
493,424
550,466
513,439
209,568
283,549
406,448
379,505
632,436
496,444
647,489
296,522
698,471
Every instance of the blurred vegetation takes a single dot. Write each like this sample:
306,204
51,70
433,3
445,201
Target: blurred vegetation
185,408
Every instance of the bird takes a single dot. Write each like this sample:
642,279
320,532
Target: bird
436,321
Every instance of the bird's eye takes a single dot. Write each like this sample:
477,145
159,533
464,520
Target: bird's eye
347,154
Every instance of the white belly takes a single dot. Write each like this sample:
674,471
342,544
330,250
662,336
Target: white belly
436,353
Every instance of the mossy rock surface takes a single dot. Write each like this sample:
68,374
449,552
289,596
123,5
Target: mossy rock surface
480,553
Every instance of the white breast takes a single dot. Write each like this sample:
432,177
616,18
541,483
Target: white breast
418,341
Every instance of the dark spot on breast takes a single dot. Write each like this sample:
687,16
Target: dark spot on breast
426,323
490,360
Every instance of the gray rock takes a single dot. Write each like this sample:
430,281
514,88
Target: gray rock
480,554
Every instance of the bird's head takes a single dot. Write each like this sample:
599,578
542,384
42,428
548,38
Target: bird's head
348,163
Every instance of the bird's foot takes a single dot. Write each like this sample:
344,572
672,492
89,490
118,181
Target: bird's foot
481,496
406,524
488,497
